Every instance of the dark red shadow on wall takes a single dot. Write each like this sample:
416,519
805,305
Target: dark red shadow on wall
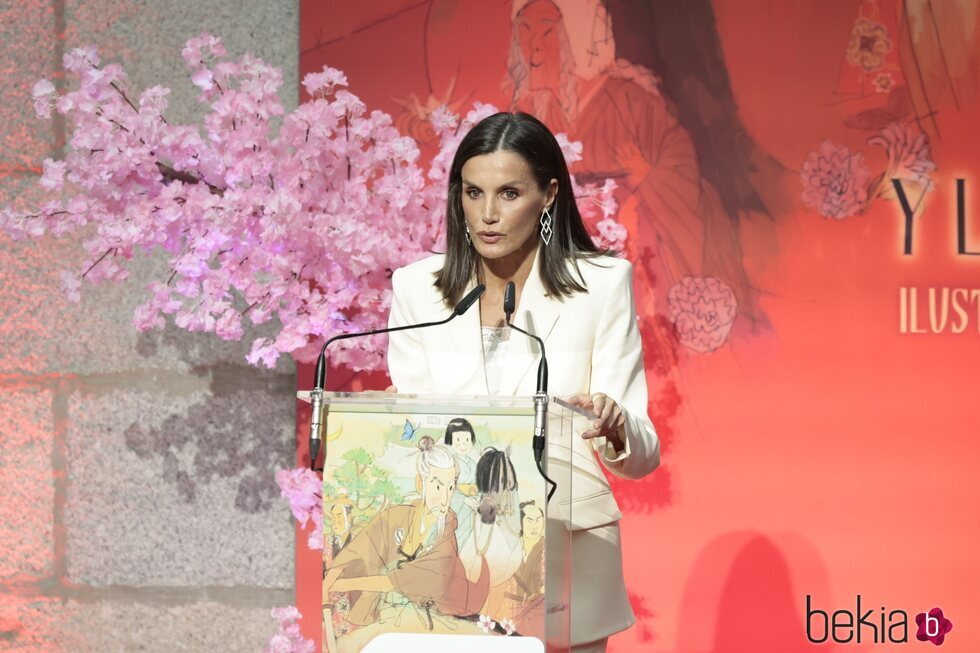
742,597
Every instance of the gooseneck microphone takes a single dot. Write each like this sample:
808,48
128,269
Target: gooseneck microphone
319,381
541,395
510,292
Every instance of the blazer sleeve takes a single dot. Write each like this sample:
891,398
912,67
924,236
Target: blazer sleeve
407,363
617,371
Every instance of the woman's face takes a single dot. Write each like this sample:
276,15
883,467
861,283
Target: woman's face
502,204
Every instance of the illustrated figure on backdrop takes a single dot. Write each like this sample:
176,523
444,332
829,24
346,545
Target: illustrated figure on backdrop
908,61
461,437
494,536
524,596
511,217
341,514
341,522
939,49
402,568
678,226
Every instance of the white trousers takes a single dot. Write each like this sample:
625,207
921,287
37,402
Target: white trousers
600,606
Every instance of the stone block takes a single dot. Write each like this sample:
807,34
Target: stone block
147,38
26,486
170,490
27,31
102,626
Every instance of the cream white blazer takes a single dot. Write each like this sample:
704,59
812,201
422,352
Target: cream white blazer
592,343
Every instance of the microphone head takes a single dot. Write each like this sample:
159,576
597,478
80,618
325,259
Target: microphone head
510,292
470,298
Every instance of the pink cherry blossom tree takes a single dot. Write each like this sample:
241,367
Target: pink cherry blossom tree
304,223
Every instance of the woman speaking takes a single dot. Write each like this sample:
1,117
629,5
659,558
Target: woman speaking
512,216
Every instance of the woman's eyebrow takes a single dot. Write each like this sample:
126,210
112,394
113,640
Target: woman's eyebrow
508,184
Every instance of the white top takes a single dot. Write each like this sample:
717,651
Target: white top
495,341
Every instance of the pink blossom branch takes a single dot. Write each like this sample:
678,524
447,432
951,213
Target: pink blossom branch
188,178
99,260
124,96
318,211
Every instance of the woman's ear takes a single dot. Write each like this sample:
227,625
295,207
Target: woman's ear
552,194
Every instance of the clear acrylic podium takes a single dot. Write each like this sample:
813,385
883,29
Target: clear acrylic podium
437,525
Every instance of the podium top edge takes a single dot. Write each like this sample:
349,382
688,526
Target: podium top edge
374,396
405,399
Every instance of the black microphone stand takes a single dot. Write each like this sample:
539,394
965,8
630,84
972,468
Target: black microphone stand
319,381
541,396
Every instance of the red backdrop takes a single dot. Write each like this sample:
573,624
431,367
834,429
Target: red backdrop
817,445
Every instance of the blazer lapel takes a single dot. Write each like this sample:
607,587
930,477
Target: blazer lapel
466,339
536,313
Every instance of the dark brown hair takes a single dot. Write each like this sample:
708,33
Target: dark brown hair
527,136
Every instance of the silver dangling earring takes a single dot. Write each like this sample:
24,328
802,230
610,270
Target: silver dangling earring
546,230
466,233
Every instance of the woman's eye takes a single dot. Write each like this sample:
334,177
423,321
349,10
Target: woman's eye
510,194
472,193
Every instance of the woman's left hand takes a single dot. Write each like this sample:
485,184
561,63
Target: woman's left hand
610,419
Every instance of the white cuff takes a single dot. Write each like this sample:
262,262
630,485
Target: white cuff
608,452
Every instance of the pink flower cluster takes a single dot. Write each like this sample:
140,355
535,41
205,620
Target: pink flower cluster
288,639
304,224
487,624
703,311
909,155
598,207
835,181
303,488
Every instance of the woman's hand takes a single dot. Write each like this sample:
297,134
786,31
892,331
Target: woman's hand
391,388
610,420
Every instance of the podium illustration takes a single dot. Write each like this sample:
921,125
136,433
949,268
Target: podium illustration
438,531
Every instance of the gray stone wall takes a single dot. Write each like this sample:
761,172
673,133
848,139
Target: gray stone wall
138,508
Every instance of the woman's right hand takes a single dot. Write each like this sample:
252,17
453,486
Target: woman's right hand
391,388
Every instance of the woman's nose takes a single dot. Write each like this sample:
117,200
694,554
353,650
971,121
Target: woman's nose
490,214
